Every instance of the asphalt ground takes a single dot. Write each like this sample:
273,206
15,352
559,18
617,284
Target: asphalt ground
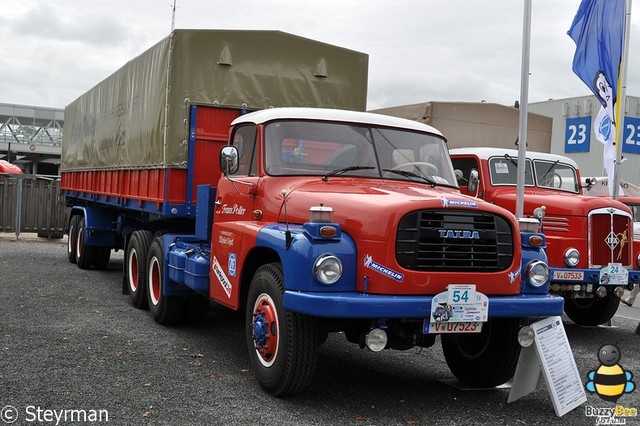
70,340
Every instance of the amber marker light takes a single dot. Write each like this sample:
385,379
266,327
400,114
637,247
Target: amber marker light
328,231
536,240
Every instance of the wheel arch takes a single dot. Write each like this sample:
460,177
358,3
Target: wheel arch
257,257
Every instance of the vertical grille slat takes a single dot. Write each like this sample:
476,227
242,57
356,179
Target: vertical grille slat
472,241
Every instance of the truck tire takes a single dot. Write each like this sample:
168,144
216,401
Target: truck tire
84,254
73,238
282,344
485,359
101,257
591,312
136,267
166,310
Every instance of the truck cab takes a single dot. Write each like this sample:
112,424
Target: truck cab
589,239
333,220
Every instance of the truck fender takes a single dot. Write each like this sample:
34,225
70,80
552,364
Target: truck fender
299,258
99,225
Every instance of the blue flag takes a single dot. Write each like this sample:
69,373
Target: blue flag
598,29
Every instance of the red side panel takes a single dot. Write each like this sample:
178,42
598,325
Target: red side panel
143,185
211,134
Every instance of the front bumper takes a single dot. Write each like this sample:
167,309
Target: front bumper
358,305
586,276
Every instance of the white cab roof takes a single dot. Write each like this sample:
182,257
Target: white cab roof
336,115
486,153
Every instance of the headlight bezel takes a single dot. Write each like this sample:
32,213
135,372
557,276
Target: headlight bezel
537,273
571,257
328,269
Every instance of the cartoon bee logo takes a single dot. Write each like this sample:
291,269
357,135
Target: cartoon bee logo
610,381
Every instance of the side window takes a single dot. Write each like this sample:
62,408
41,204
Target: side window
465,165
244,139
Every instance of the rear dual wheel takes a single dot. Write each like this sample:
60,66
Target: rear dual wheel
166,310
137,267
86,257
73,238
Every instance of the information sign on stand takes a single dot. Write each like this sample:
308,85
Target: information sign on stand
552,355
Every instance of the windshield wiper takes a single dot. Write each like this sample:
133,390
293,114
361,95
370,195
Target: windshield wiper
514,162
345,170
411,174
553,166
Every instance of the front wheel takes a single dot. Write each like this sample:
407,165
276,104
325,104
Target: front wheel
166,310
485,359
591,311
282,344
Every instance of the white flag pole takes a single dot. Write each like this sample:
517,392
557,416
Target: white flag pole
621,99
524,108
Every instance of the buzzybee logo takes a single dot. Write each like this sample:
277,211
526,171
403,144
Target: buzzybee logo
610,381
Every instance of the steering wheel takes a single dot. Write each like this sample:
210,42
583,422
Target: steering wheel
553,181
423,167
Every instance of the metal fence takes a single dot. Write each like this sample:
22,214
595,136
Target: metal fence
30,203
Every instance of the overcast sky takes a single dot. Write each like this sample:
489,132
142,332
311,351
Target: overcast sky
419,50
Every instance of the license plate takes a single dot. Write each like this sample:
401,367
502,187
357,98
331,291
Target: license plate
568,276
452,327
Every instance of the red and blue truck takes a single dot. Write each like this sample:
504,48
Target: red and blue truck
310,220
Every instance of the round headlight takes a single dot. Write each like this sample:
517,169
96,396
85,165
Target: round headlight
537,272
328,269
638,260
571,257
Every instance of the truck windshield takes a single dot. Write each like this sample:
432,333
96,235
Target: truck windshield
504,171
556,175
322,148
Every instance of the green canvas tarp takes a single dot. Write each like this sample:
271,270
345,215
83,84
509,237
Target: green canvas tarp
137,118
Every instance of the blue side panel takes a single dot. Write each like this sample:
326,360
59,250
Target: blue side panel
299,258
204,211
100,226
358,305
150,207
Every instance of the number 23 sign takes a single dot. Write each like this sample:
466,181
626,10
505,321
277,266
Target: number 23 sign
577,134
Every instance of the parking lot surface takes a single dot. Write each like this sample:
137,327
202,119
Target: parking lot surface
70,340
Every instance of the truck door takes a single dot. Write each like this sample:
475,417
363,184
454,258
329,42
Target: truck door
233,213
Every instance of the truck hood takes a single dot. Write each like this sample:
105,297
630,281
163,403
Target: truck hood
557,204
372,207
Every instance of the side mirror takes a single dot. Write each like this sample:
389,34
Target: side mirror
459,174
229,162
474,178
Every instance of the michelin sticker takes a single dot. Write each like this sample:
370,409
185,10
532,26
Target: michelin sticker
458,203
390,273
222,278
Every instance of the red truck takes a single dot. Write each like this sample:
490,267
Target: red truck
309,220
589,239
